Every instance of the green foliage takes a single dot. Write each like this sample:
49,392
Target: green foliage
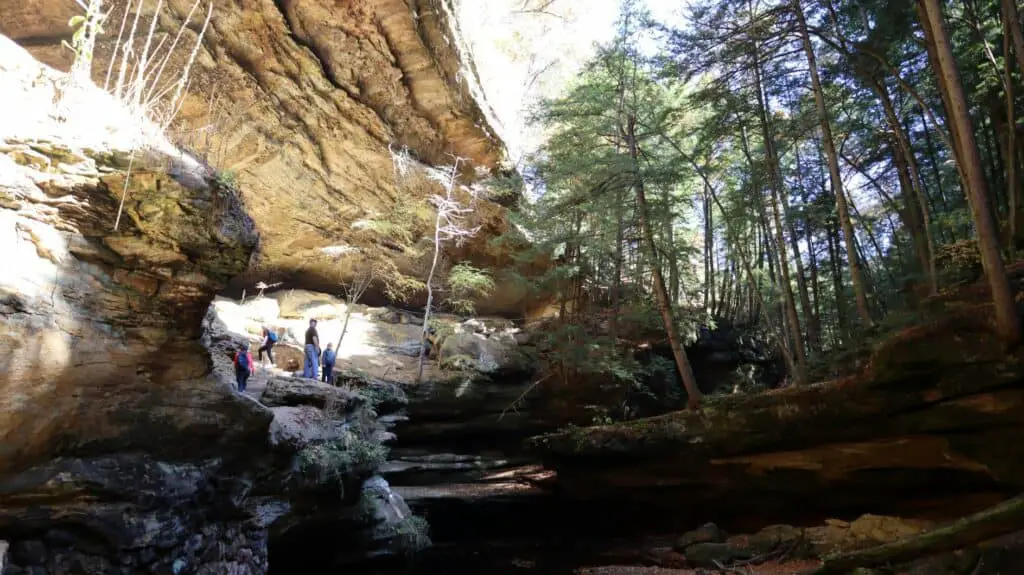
398,287
383,394
385,228
960,261
466,284
331,464
404,223
227,179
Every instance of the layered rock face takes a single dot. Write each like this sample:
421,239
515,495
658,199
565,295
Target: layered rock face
100,340
933,424
123,446
303,103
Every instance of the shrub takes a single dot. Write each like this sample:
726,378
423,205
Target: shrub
466,283
330,464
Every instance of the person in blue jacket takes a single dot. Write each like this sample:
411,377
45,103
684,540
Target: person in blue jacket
327,359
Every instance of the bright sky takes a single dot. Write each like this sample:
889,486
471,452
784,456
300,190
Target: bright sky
522,57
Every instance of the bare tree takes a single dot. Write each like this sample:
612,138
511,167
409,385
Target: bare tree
354,290
262,286
449,225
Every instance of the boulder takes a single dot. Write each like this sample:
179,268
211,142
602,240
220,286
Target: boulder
707,533
294,391
484,354
384,396
305,305
394,530
296,427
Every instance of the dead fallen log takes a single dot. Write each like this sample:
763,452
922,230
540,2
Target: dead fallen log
990,523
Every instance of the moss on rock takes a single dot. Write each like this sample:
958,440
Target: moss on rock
331,464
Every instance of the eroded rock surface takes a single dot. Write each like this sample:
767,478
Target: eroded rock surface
303,103
100,343
124,448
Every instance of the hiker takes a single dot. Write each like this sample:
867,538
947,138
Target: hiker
269,339
309,370
328,360
244,366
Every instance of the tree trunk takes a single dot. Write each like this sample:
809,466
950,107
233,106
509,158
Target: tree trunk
660,292
859,289
988,237
815,289
619,256
801,280
777,333
837,283
709,255
985,525
904,158
672,257
1009,8
720,298
776,191
430,297
1011,18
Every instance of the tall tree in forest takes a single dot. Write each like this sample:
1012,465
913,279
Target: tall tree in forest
933,22
859,288
774,194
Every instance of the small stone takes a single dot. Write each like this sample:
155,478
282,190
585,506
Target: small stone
707,533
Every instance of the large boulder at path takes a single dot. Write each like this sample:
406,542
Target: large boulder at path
294,391
296,427
489,355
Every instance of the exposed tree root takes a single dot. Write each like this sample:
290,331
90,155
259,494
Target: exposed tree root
990,523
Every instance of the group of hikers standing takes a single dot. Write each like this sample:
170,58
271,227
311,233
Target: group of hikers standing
314,358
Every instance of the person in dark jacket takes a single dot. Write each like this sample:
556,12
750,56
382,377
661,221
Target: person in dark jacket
269,339
244,366
310,368
327,359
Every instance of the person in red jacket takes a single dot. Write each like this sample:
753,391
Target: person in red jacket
244,366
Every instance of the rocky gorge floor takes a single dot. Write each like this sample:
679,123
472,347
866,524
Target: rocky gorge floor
499,510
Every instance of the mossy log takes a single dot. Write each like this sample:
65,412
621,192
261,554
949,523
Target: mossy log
990,523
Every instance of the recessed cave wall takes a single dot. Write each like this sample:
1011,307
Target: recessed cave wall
512,299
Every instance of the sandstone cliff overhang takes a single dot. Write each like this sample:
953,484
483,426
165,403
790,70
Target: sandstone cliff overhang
303,104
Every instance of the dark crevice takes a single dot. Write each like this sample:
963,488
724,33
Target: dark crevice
41,40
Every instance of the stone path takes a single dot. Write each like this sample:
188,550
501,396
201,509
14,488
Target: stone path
258,381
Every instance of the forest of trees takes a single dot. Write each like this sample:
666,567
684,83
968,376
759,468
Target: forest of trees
807,168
